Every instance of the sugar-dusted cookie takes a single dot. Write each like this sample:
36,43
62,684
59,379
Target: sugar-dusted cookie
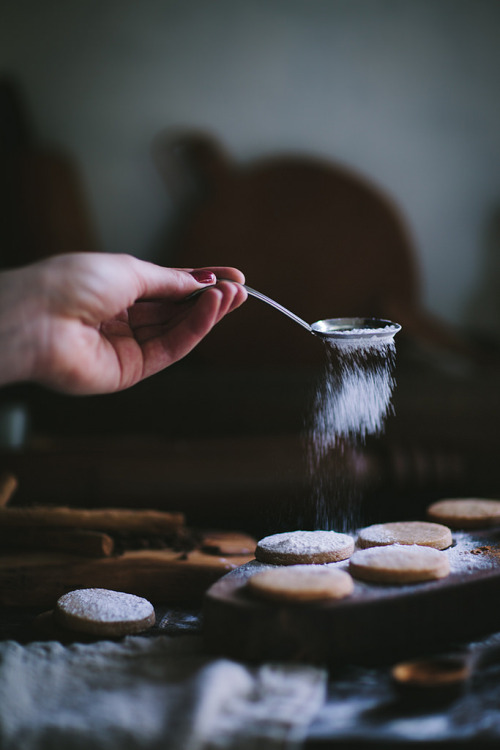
466,513
399,563
301,583
296,547
104,613
405,532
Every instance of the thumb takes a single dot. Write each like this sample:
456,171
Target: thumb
160,282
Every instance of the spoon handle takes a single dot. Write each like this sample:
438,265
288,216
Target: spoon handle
263,298
277,306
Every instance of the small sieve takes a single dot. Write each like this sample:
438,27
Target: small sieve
341,329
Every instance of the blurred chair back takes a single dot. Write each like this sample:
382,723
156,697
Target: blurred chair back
43,208
315,236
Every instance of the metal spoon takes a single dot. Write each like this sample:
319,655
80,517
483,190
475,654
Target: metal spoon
341,329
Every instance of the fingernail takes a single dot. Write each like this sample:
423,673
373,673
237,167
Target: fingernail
204,277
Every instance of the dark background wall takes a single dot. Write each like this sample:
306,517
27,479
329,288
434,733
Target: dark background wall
405,91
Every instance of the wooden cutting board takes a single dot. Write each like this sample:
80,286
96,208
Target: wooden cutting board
377,624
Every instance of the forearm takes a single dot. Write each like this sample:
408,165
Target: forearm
19,321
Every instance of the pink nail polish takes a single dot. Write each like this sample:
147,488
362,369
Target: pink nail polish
204,277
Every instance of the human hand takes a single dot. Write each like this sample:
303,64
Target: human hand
97,322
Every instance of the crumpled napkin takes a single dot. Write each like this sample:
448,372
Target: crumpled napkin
150,693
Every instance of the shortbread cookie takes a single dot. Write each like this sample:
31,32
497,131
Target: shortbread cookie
103,612
405,532
296,547
466,513
301,583
399,563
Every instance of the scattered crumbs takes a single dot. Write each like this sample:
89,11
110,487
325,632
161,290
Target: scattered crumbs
468,555
181,622
488,549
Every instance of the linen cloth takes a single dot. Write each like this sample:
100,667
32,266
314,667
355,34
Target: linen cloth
157,693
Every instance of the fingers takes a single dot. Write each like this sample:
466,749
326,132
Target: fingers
233,296
151,313
165,343
146,313
162,348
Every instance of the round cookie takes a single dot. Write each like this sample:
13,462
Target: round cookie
104,612
301,583
405,532
304,547
466,513
398,563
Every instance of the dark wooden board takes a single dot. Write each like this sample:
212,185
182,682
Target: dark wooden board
377,624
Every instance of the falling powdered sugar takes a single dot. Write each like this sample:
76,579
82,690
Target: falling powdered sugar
354,397
351,402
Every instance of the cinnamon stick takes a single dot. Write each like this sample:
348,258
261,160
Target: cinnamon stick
109,519
162,576
81,542
8,485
